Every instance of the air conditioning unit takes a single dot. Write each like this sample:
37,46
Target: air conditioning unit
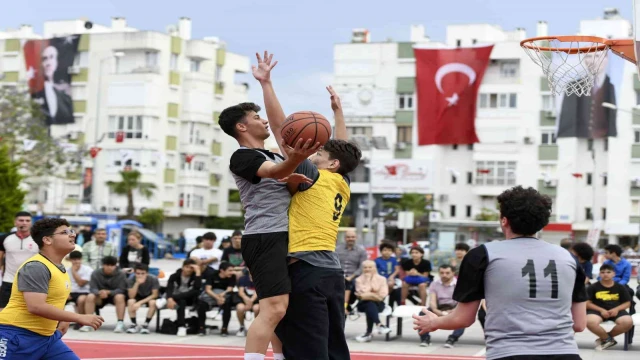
551,183
73,70
401,146
528,140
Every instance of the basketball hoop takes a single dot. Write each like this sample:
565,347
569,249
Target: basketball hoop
572,63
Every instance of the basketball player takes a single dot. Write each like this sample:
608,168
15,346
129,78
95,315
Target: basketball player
15,248
266,202
34,321
535,292
313,328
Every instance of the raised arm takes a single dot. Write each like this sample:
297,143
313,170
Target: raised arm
275,114
340,132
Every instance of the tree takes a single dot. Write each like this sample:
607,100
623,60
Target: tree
151,218
419,205
130,183
487,214
11,196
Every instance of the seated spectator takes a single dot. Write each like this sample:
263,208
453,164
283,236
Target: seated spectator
387,266
371,289
351,257
583,252
566,243
218,292
107,286
247,292
225,243
401,253
441,303
461,250
80,275
233,253
66,261
621,266
418,274
142,290
207,254
94,251
198,246
608,301
183,288
134,253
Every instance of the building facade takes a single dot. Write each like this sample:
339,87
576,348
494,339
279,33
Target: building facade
516,123
150,101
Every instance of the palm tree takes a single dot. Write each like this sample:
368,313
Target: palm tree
131,182
416,203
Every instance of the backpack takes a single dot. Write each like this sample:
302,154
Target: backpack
169,327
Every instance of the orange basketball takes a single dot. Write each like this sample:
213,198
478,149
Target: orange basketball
306,125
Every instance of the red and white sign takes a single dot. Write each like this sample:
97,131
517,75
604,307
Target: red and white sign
402,176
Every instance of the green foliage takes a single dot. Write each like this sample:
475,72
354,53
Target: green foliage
231,222
487,214
152,217
11,196
234,196
417,203
130,183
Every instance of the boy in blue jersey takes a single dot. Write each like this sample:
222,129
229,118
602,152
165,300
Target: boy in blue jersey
388,266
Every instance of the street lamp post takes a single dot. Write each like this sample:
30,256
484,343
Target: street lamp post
369,144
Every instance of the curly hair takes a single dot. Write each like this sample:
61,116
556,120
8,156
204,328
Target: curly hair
583,250
46,227
346,152
527,210
386,245
233,115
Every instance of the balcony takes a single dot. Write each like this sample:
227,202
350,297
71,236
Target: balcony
169,176
403,151
547,118
138,40
548,152
199,49
544,189
10,77
635,151
174,78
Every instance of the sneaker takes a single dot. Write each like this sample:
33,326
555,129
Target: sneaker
160,303
202,332
86,329
182,331
131,330
144,329
242,332
364,338
76,326
449,343
383,330
425,343
607,344
224,332
119,327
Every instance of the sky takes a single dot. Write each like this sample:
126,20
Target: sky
302,34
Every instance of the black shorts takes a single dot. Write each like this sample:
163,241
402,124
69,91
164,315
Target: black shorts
75,296
266,257
620,314
5,293
107,301
313,327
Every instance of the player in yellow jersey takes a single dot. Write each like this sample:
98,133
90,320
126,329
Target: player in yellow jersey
34,321
313,327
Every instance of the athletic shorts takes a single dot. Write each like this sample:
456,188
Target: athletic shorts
266,257
21,344
5,293
415,279
75,296
621,313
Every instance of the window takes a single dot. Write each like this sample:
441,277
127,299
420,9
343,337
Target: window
474,41
470,147
218,73
500,173
604,213
589,178
587,214
509,69
151,58
548,102
589,144
484,101
452,210
194,134
468,211
458,42
635,207
636,136
198,202
194,65
469,177
606,144
498,101
513,101
405,134
405,101
548,138
605,179
131,125
360,130
453,179
455,146
173,62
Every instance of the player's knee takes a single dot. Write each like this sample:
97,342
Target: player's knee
240,308
422,286
152,304
131,302
91,298
625,321
120,298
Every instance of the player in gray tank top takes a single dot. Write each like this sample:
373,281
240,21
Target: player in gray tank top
534,291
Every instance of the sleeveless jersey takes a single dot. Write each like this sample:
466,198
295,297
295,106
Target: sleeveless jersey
315,213
16,313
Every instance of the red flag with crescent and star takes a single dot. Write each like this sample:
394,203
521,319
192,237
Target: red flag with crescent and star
447,82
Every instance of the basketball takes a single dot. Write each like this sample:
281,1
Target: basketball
306,125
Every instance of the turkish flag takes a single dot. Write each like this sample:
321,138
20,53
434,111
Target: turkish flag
447,82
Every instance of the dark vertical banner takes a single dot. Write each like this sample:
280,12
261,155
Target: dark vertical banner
584,116
47,63
86,185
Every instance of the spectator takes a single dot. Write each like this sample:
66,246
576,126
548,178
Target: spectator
371,289
182,243
183,288
247,292
207,254
461,250
233,253
142,290
80,275
94,251
387,266
441,303
107,286
198,246
351,257
401,253
134,253
583,252
566,243
225,243
621,266
418,274
218,292
608,301
66,261
15,249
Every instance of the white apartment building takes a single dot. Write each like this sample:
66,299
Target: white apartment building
516,121
164,90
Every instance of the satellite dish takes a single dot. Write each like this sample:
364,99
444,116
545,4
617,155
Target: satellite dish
88,25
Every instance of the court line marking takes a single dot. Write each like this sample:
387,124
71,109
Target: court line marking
482,352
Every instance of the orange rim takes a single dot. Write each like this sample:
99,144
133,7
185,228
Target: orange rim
529,43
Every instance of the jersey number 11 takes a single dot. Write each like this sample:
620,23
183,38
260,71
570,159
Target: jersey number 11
530,269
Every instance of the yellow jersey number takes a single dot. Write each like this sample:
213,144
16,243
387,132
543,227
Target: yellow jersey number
337,203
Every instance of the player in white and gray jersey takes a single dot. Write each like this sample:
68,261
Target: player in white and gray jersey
534,291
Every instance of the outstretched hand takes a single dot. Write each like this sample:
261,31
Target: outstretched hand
301,150
262,72
297,179
424,323
335,99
